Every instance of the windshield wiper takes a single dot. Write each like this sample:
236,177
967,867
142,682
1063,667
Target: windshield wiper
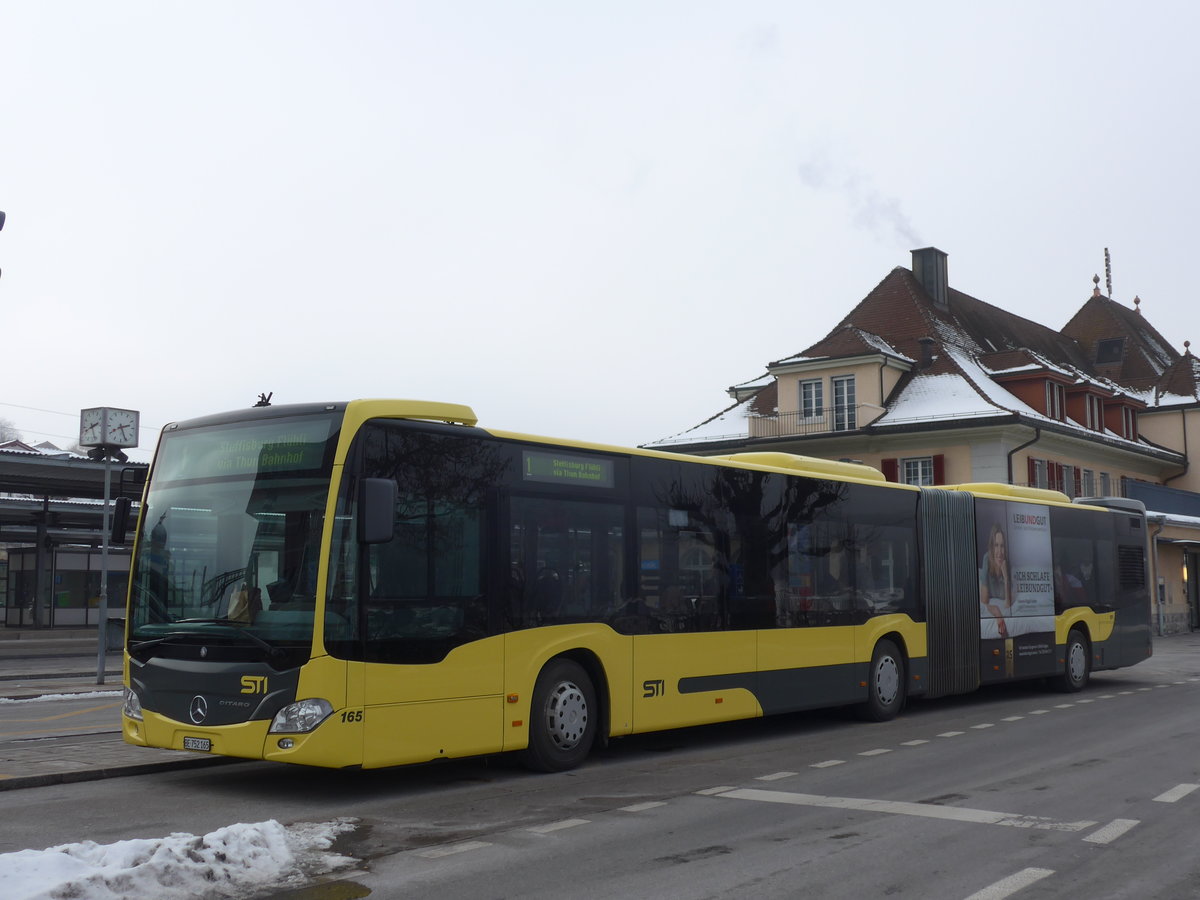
272,651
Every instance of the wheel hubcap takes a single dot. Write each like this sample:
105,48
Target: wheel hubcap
567,715
1077,662
887,681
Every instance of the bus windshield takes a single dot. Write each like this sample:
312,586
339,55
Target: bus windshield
230,535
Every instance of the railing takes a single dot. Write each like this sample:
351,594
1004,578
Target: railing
831,419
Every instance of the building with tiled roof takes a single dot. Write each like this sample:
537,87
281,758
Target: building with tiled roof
934,386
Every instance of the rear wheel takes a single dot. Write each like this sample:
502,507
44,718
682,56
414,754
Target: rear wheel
885,684
1078,667
562,719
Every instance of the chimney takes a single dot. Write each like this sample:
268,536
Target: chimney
929,268
926,352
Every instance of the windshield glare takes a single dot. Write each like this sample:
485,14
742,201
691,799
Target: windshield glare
230,553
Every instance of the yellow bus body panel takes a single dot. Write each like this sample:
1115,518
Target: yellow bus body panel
420,712
662,661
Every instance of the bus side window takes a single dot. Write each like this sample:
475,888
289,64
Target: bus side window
565,561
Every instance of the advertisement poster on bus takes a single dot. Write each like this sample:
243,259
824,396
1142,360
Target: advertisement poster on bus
1016,587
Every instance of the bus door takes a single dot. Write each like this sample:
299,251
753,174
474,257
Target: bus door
689,667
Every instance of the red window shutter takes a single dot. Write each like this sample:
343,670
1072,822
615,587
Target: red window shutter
1032,471
939,468
1056,484
1078,482
890,469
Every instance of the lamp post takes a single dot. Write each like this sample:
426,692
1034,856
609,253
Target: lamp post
106,430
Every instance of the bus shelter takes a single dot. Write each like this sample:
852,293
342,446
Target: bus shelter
51,532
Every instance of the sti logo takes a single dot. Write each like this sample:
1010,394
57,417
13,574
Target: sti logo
654,688
254,684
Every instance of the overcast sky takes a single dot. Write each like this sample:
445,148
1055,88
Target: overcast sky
583,220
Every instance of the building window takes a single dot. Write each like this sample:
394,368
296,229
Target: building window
919,471
1055,400
1038,476
1129,423
1110,350
1105,484
812,399
844,410
1089,483
1094,407
1067,482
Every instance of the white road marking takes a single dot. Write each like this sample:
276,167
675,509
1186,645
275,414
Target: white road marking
1006,887
827,764
642,807
1106,696
1111,831
879,752
775,777
916,743
707,792
1038,712
951,733
1085,701
558,826
896,807
451,849
1063,705
1012,719
1176,793
985,725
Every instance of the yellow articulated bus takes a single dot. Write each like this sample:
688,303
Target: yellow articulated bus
382,582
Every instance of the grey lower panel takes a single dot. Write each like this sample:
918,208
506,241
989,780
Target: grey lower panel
789,690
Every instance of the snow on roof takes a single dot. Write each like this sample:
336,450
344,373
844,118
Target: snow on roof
729,424
937,397
236,860
992,392
881,345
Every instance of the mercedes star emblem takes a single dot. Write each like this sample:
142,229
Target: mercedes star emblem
198,709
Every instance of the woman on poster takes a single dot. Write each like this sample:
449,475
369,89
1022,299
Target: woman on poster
995,587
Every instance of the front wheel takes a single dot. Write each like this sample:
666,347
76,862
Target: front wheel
562,719
1078,668
885,684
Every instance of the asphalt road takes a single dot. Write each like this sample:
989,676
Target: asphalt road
1009,792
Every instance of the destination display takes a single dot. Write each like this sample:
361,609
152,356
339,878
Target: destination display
567,468
292,446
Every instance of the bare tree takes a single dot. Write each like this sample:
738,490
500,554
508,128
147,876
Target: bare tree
8,431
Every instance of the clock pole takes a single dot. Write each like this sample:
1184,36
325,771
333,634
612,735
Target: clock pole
102,645
106,429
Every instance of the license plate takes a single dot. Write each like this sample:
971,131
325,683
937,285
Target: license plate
197,744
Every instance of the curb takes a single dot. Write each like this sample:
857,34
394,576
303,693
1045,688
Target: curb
71,777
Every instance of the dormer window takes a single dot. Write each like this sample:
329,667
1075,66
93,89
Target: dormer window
1129,426
1094,411
1110,350
1056,400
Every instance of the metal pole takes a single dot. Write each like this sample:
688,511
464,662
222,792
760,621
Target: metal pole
102,644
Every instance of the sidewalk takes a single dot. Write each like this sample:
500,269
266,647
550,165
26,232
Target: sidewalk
51,663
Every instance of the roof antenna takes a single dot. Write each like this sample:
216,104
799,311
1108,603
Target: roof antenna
1108,272
264,400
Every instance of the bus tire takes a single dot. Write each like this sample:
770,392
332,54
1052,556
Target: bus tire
562,719
1077,668
885,684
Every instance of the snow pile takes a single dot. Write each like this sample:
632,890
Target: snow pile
233,861
42,698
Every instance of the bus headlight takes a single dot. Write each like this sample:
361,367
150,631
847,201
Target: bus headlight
301,716
131,706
